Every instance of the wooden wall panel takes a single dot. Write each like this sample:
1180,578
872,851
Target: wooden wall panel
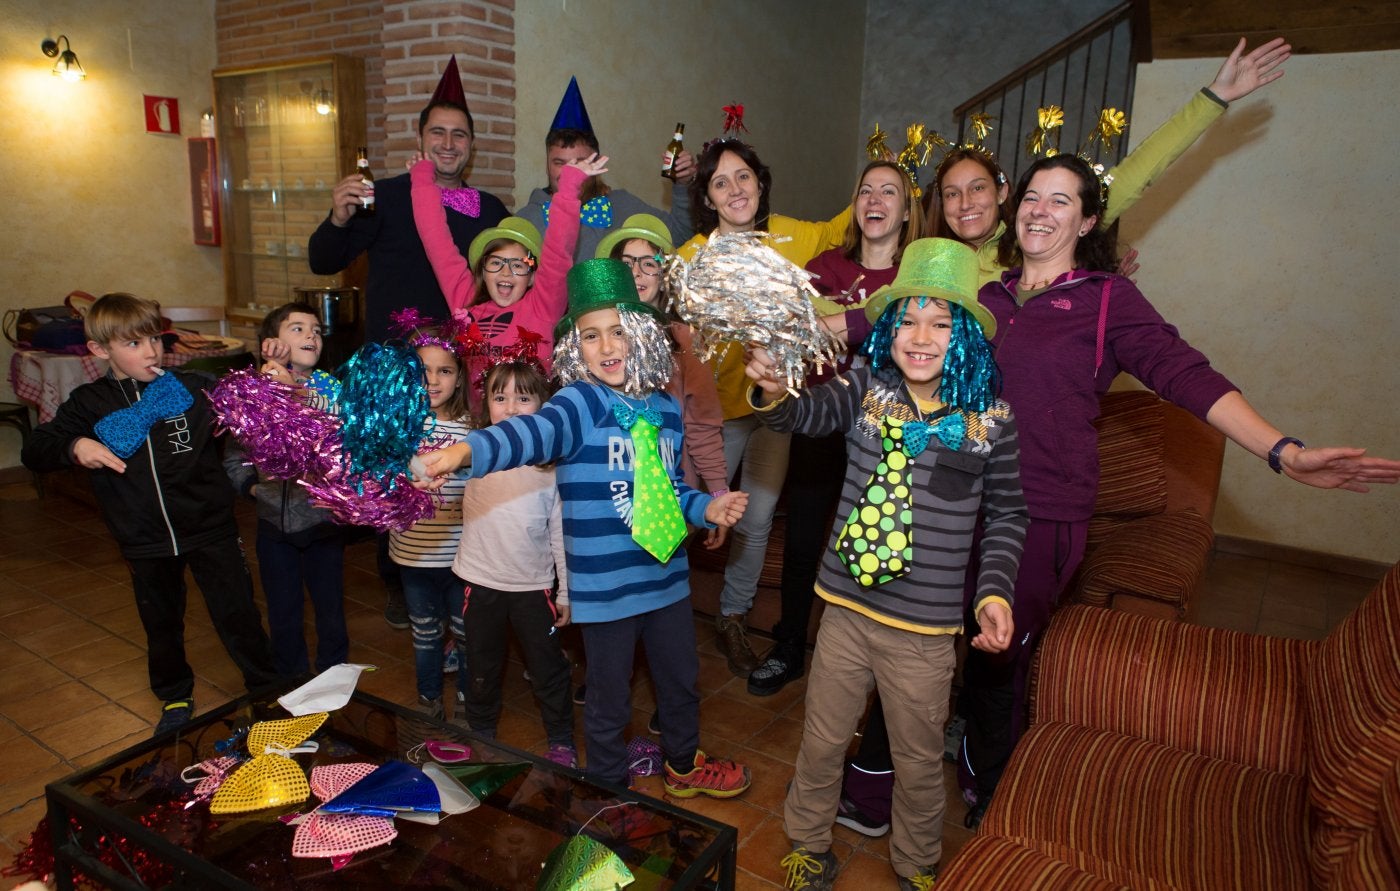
1210,28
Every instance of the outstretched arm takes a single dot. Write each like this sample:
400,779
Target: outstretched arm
1240,75
1326,468
450,268
549,298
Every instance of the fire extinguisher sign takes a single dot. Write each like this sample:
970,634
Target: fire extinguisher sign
162,114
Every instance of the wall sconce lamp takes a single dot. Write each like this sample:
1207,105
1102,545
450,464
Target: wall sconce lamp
67,67
322,101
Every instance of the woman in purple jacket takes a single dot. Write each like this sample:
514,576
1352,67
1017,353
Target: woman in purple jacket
1066,326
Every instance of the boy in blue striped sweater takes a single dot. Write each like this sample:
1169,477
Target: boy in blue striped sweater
615,435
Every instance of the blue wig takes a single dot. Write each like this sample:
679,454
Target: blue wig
971,380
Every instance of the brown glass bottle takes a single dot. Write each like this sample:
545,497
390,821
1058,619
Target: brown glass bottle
362,167
673,151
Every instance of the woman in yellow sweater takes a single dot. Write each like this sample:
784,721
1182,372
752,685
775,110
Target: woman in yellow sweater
729,194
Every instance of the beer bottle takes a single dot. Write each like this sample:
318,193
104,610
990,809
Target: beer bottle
668,163
362,167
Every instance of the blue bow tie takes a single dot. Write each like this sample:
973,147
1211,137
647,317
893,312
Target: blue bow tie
950,429
627,416
595,213
125,429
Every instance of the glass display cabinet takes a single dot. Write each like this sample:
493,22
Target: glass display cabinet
286,134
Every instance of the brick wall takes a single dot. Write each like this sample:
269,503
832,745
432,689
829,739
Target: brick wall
405,44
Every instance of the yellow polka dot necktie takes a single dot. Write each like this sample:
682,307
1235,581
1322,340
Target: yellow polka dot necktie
657,523
877,544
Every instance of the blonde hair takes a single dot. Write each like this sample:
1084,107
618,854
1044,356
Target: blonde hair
119,316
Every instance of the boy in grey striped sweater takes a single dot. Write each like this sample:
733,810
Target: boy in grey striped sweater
933,463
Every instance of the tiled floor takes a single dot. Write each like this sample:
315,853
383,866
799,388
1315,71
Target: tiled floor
74,688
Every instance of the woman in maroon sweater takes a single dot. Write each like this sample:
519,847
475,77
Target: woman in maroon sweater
1066,325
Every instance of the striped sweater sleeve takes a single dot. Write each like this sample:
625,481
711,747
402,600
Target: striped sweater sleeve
551,434
1004,518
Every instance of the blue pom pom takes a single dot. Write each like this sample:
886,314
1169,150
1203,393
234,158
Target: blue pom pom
383,408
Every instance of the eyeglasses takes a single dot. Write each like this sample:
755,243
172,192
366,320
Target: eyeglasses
517,266
648,265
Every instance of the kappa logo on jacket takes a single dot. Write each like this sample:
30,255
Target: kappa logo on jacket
177,433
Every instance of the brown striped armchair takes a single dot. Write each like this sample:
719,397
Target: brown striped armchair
1170,756
1150,536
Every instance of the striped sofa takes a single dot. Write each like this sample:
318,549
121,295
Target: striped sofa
1171,756
1150,535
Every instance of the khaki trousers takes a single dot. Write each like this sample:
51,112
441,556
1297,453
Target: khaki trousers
913,672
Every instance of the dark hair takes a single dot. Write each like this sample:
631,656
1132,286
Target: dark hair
479,293
937,223
568,137
272,322
527,377
446,103
706,218
912,228
1096,249
457,406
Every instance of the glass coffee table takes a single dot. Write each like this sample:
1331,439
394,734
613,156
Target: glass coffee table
128,823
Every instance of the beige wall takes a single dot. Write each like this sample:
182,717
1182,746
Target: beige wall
796,68
92,202
1272,245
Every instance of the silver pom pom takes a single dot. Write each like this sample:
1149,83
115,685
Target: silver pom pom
739,290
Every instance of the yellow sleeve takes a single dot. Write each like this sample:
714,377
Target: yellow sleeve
1157,152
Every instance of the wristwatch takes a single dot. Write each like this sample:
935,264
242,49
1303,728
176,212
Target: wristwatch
1278,450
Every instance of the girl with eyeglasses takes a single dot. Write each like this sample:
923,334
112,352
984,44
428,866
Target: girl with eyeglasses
511,281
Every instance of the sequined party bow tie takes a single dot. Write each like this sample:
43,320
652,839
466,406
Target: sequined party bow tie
950,430
877,542
595,213
125,429
465,200
627,416
657,523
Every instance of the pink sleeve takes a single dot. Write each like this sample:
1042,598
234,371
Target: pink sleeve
548,299
450,268
701,415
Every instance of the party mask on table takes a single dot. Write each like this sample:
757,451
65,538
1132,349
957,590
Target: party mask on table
338,836
264,782
285,734
583,864
326,692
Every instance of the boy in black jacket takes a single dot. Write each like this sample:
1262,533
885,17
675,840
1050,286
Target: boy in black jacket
147,436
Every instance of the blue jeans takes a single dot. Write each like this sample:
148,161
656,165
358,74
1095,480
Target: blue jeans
761,455
434,595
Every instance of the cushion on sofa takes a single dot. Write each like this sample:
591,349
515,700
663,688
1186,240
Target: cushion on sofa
1010,865
1132,470
1135,809
1219,693
1354,725
1375,861
1158,557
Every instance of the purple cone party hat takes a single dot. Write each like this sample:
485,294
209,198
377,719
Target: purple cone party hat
449,88
572,114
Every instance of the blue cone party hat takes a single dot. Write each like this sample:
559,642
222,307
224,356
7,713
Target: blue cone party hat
393,787
572,115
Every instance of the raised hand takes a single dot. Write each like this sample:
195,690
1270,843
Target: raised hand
346,198
762,370
594,165
1241,75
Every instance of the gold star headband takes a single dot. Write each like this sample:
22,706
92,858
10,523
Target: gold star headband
1110,125
919,145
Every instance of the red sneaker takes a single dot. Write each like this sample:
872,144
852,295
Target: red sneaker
710,776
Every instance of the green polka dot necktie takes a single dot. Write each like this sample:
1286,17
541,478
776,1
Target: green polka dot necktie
657,523
877,542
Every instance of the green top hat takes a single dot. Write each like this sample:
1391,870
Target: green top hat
516,229
935,267
639,225
600,284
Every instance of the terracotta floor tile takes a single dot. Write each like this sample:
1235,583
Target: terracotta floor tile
761,852
734,812
121,679
60,575
97,656
25,757
865,872
747,881
103,599
1275,628
17,825
38,676
26,553
8,731
91,730
731,719
40,710
770,777
780,739
12,655
17,599
56,639
98,755
36,618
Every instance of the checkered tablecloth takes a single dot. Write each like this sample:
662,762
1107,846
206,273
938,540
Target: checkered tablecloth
44,380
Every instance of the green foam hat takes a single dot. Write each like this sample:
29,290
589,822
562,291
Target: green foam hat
645,226
935,267
600,284
516,229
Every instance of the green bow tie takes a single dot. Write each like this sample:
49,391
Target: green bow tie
877,542
657,524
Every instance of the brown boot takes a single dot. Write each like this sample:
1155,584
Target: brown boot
733,643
